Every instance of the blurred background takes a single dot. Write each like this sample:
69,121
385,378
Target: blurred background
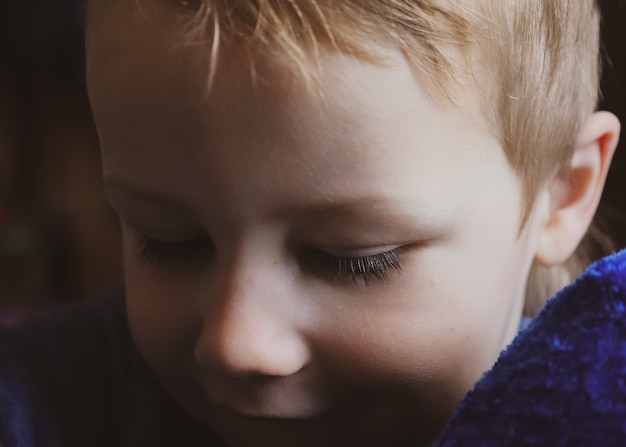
59,241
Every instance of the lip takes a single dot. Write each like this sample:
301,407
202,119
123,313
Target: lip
336,413
344,425
289,400
370,421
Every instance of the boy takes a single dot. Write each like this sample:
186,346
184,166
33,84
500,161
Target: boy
330,211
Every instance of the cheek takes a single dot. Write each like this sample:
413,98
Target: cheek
434,331
423,367
162,319
421,345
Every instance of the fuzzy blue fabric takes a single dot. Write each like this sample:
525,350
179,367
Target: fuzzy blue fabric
562,382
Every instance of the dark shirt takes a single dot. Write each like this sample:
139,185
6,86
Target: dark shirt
75,379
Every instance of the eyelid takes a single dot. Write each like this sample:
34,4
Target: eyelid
160,229
365,269
160,253
358,252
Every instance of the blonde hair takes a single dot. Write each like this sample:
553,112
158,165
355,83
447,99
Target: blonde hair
542,60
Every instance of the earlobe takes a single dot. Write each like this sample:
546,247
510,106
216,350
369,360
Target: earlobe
576,192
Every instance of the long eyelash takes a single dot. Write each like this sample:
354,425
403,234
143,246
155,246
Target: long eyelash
360,268
161,253
367,268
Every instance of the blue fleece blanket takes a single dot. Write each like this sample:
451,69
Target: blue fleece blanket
562,382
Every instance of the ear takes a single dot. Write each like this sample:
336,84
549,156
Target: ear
576,192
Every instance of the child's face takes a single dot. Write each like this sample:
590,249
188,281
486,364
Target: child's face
245,213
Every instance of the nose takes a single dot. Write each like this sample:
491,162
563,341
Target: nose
250,325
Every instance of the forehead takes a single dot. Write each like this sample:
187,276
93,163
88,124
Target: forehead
148,89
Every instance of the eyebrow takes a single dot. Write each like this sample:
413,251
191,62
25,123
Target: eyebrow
375,207
118,185
378,211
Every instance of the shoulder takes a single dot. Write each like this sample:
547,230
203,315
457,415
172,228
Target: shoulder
22,420
63,370
75,339
76,376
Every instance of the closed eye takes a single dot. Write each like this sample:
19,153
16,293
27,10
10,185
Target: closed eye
197,252
159,253
366,269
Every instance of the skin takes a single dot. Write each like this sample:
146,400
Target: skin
255,333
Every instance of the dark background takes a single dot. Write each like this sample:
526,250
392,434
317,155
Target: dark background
613,207
59,241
